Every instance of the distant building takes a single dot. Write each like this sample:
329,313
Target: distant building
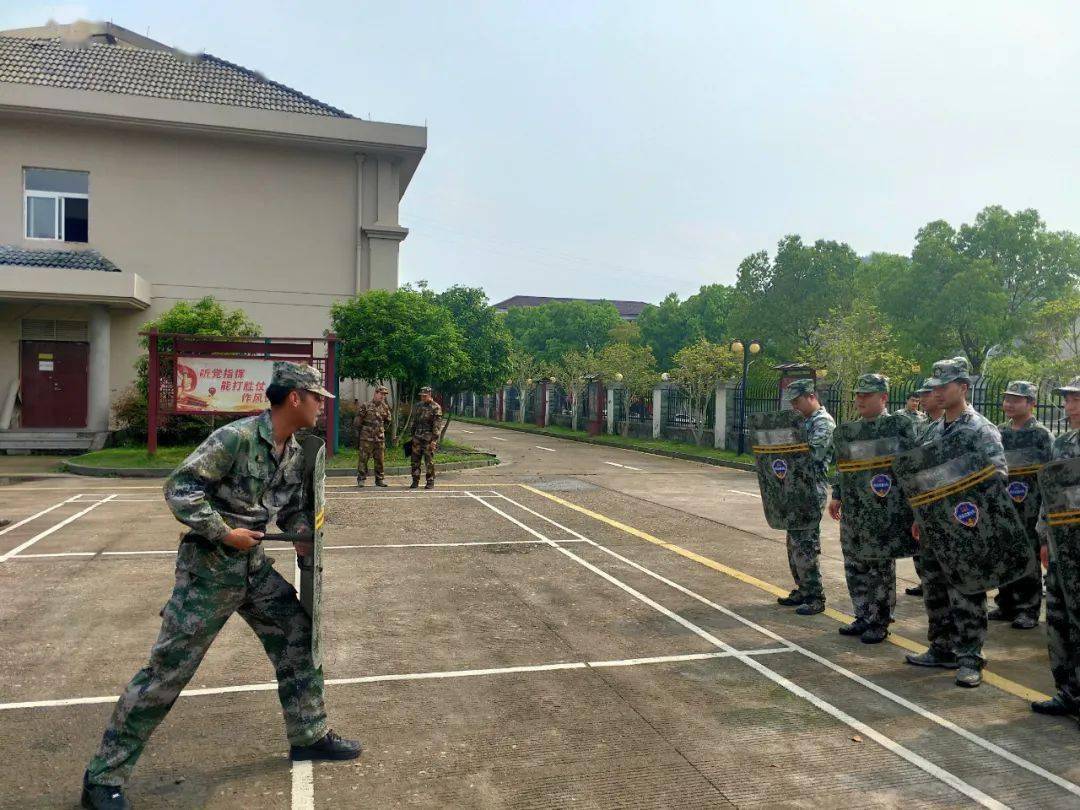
628,310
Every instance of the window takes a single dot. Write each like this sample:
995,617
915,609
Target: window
57,204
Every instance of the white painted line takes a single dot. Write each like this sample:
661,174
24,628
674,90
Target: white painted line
24,521
743,492
52,529
628,467
885,742
463,430
892,696
413,676
303,773
498,438
548,449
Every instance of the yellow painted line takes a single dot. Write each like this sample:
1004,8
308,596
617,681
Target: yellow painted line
1006,685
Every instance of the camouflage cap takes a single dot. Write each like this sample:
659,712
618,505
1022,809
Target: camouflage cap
872,384
946,371
799,387
1023,388
924,388
297,375
1073,387
382,389
426,389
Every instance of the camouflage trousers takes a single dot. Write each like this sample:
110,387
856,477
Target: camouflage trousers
198,608
872,586
375,451
803,550
1024,596
1063,634
956,621
422,450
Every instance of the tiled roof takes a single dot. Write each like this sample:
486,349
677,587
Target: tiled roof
110,68
66,259
627,309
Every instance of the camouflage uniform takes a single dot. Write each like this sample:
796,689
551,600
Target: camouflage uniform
371,422
871,583
1063,626
427,423
804,545
1023,597
232,480
918,418
957,621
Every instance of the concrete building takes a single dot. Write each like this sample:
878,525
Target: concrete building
133,176
628,310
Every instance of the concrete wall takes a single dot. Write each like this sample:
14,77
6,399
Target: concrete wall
267,228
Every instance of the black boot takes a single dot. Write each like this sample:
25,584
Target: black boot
429,485
915,590
945,659
874,635
856,628
359,481
1025,622
415,483
811,607
380,483
793,599
1059,706
329,747
102,797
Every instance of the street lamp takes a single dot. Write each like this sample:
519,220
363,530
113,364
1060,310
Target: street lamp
745,348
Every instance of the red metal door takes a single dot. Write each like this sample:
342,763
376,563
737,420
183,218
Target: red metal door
54,384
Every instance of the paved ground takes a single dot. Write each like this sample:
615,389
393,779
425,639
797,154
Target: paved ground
580,626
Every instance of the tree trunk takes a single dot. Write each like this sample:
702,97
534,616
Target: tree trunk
573,411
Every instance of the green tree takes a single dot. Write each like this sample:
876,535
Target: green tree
711,307
486,341
523,374
634,367
856,341
698,369
548,331
574,371
402,336
668,327
625,332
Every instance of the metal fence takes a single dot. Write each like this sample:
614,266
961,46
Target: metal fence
640,409
677,409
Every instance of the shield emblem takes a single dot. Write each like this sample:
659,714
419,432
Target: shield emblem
785,470
967,518
1059,483
876,517
1018,491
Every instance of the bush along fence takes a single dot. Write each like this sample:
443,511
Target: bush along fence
602,408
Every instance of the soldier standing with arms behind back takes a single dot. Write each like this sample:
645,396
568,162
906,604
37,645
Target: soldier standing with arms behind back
1063,627
1019,601
372,419
804,545
427,423
245,476
957,621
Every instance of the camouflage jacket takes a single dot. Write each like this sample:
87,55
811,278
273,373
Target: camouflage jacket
233,480
918,418
819,427
427,420
1067,445
1032,422
371,421
971,420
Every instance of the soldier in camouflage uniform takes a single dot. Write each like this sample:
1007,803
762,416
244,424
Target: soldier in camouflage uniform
372,419
871,582
957,621
426,427
1019,602
911,409
1062,626
930,403
244,477
804,545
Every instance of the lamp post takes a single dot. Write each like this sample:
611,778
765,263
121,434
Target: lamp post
745,348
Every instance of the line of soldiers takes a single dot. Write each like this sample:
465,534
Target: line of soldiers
886,509
372,420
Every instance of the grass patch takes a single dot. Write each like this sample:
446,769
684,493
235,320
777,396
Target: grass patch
168,458
661,445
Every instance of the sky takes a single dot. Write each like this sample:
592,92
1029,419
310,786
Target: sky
628,149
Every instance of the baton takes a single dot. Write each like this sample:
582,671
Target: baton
288,537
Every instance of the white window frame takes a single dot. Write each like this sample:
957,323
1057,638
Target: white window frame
53,195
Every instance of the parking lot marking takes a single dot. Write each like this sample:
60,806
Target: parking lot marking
539,447
57,527
498,438
270,686
303,773
24,521
992,678
885,742
898,699
743,492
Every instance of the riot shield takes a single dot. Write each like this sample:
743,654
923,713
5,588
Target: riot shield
965,514
1059,484
1026,451
785,470
876,516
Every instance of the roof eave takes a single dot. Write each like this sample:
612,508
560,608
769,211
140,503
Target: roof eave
406,142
